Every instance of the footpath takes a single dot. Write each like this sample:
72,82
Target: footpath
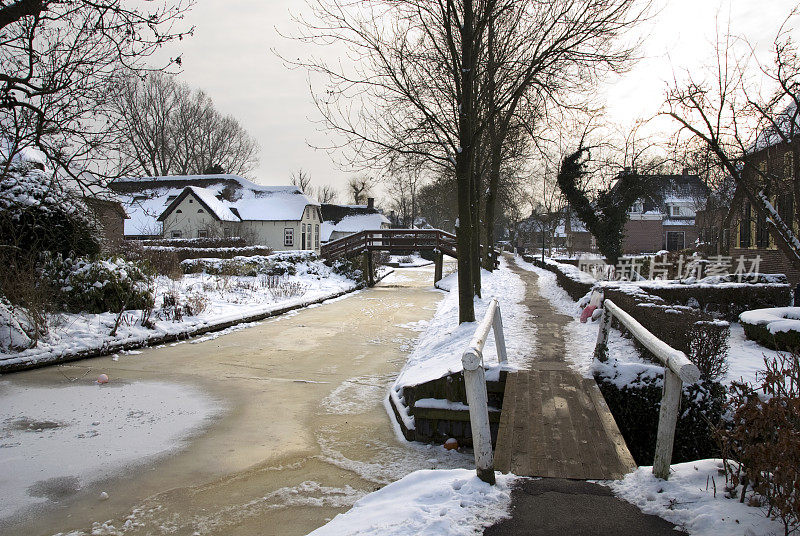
558,432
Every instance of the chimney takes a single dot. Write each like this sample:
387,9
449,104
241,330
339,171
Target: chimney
370,203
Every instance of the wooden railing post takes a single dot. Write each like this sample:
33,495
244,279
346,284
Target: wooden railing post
475,383
667,420
499,338
601,348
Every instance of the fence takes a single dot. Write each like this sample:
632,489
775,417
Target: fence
677,369
475,383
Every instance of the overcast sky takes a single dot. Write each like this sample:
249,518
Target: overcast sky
229,57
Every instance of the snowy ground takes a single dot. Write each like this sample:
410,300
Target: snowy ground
435,503
439,349
55,440
227,298
694,498
408,261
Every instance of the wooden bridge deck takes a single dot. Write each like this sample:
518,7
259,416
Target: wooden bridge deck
555,423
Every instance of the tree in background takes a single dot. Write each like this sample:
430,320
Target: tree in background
57,66
166,128
302,180
738,108
606,212
418,85
360,188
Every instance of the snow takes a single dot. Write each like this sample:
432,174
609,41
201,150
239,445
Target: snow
745,357
580,339
252,201
408,261
694,499
438,351
776,319
431,502
219,208
229,299
57,440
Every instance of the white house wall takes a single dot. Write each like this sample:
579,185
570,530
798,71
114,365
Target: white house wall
187,220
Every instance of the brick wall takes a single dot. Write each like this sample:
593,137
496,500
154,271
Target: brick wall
642,236
772,262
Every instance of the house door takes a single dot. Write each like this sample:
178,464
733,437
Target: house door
676,240
303,239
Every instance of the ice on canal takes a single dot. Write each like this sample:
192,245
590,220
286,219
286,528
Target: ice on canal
56,439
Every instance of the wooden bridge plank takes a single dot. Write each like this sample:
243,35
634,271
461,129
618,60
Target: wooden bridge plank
556,424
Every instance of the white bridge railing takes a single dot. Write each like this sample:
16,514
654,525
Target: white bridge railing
475,383
677,369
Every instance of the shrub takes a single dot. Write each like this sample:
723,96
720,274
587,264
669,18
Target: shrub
703,339
275,264
101,285
37,214
351,268
636,407
764,438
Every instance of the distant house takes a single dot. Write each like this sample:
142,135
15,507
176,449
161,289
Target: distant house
665,219
561,230
199,206
343,220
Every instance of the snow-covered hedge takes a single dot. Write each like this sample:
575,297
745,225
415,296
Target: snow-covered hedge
187,252
633,392
275,264
696,333
576,282
37,214
777,328
99,285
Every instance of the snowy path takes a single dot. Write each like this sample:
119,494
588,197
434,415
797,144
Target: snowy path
302,435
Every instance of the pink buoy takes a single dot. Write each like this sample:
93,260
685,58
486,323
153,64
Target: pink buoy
102,379
587,313
451,444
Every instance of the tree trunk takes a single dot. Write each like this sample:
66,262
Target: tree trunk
466,305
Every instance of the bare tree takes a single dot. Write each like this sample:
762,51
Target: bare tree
327,194
302,180
360,187
168,129
727,115
57,61
419,88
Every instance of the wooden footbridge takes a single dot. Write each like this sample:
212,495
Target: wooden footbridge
395,241
554,422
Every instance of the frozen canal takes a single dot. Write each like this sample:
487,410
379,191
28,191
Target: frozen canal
269,430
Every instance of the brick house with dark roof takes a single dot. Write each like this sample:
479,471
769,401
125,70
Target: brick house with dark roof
665,218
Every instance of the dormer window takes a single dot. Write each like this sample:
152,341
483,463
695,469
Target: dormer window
676,210
179,211
200,211
171,198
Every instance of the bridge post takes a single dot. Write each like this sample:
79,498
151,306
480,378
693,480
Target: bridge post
438,261
370,269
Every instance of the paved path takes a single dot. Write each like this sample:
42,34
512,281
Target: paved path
555,424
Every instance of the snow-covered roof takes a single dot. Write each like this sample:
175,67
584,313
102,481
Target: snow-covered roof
786,125
145,199
674,222
353,224
216,206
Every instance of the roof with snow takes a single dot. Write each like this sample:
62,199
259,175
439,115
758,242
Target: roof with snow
353,224
148,200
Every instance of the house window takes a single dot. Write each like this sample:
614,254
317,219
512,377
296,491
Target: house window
176,234
179,211
288,236
316,236
786,209
200,211
745,227
191,200
676,240
762,232
202,233
676,210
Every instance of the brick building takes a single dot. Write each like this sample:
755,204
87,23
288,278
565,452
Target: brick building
773,167
665,219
